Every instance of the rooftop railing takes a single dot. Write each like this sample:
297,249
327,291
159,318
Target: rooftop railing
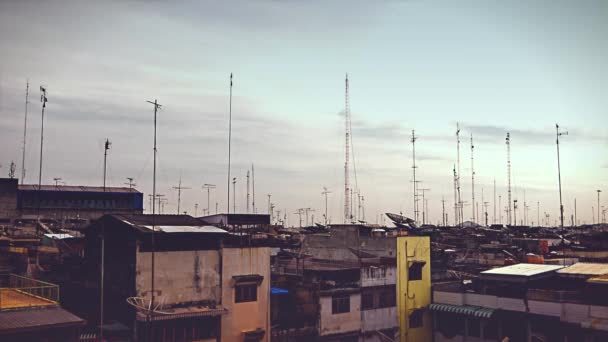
18,292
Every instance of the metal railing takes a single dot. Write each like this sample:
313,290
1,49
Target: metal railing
20,292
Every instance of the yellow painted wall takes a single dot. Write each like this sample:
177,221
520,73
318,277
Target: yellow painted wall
248,316
413,294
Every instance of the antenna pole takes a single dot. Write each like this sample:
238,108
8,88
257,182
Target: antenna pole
156,107
460,204
494,203
105,159
27,93
347,190
443,210
179,189
247,191
325,193
209,187
252,189
559,178
234,194
43,99
473,182
413,140
508,142
229,144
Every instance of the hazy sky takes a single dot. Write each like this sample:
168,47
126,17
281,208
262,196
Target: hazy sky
493,66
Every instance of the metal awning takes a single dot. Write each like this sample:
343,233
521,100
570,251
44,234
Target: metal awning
469,310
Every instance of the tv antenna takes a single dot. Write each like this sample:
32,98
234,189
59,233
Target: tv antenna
179,189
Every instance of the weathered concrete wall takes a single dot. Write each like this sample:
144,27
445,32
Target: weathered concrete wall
340,323
378,275
179,276
247,316
335,245
379,319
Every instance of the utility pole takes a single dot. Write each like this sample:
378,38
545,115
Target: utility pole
325,193
473,182
105,159
229,145
57,180
179,189
269,213
209,187
44,100
413,140
27,93
508,142
455,197
234,194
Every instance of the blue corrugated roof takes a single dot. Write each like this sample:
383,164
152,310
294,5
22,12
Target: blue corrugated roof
277,291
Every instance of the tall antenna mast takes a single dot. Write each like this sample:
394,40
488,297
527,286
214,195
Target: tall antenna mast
179,189
508,142
494,216
559,177
247,191
252,189
27,93
229,146
156,107
105,160
460,206
43,99
234,194
413,140
455,197
209,187
473,181
347,191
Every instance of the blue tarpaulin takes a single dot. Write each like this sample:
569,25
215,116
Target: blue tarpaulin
277,291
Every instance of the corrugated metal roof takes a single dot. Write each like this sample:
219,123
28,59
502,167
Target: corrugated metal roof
77,188
470,310
19,320
58,236
522,270
188,229
584,269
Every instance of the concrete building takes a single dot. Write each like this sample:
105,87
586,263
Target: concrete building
65,202
414,288
524,302
204,290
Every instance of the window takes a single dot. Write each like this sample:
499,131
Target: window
415,270
367,301
388,299
340,303
245,293
415,319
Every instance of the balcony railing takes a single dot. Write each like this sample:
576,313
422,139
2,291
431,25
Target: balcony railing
18,292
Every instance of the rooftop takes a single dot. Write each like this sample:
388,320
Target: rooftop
520,271
24,320
17,292
584,270
76,188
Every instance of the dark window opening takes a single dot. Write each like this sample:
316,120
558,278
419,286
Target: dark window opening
340,304
245,293
367,301
388,299
415,270
415,320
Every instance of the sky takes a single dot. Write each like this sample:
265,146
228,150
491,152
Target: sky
491,66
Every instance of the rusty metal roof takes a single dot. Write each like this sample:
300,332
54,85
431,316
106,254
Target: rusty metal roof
28,320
